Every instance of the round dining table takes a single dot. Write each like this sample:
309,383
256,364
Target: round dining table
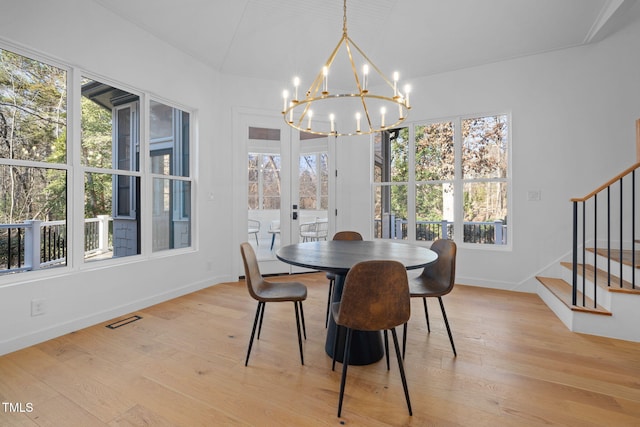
338,256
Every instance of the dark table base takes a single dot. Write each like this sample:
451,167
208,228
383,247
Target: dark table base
366,346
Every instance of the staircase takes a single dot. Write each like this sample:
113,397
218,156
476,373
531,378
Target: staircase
614,311
596,292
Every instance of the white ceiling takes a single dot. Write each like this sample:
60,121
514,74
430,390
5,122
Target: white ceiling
276,39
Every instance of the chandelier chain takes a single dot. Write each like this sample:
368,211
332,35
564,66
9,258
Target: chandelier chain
344,18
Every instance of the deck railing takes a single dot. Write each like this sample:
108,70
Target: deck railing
34,244
610,226
487,232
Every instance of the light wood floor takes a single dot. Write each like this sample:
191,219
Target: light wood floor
183,364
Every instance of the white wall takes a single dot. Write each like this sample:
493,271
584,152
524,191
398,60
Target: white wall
573,120
573,128
82,34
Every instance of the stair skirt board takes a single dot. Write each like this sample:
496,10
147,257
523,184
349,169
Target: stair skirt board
558,307
622,324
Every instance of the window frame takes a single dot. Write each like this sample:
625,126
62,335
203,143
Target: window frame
76,170
457,181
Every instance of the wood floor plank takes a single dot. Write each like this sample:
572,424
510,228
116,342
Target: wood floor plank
182,364
140,416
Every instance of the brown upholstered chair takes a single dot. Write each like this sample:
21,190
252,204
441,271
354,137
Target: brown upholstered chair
436,280
375,297
264,292
340,235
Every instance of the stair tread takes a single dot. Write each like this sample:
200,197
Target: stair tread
563,291
626,258
627,287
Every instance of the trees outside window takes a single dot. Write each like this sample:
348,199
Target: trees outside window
444,179
33,161
314,181
264,181
35,167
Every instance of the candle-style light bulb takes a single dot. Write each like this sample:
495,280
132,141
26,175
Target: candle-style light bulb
382,113
309,115
358,122
407,90
296,83
285,95
332,119
325,78
365,78
396,76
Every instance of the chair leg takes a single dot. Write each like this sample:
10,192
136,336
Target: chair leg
335,343
304,328
295,304
386,347
261,317
426,313
326,320
257,243
401,366
253,331
273,240
345,365
404,339
446,322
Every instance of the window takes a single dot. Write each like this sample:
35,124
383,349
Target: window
314,181
263,166
434,180
33,164
390,176
443,179
34,169
169,149
484,177
110,159
264,181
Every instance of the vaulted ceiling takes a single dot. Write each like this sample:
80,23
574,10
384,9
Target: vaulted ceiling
275,39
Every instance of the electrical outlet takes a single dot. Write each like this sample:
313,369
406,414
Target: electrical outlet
38,307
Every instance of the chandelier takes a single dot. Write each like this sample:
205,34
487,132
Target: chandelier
326,110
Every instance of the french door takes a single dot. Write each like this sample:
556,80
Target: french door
288,189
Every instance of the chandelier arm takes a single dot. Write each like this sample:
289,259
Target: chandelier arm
366,112
302,115
317,83
355,74
353,65
375,67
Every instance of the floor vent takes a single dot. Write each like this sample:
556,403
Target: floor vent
116,325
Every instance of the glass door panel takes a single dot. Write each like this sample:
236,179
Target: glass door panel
313,189
264,195
287,185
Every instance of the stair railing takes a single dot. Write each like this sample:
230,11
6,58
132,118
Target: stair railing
615,212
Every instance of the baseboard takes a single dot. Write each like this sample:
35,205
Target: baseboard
54,331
